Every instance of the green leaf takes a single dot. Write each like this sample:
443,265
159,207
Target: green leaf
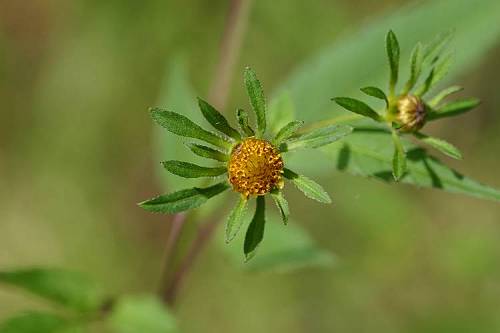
190,170
183,200
217,120
443,94
235,219
398,158
433,50
310,188
392,48
37,322
67,288
442,69
454,108
375,92
257,100
134,314
287,131
358,107
242,117
281,112
436,74
285,250
426,85
255,231
317,138
208,152
439,72
368,153
441,145
416,60
180,125
282,205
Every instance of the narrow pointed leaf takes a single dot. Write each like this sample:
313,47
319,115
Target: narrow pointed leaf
208,152
67,288
425,86
255,231
443,94
399,158
235,219
416,59
310,188
190,170
454,108
180,125
37,322
436,75
441,145
317,138
217,120
435,47
287,131
257,100
358,107
183,200
375,92
442,68
282,204
242,117
392,48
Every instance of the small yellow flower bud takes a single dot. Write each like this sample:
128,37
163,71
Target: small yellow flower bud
255,167
411,113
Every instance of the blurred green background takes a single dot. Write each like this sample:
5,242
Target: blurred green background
76,154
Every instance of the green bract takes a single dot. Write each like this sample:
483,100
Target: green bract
226,148
407,112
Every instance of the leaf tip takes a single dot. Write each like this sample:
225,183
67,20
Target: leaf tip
249,256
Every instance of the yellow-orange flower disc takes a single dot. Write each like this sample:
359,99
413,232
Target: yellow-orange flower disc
255,167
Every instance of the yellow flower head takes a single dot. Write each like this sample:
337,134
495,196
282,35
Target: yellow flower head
255,167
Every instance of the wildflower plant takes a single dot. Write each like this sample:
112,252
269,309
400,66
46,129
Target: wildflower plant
249,161
408,110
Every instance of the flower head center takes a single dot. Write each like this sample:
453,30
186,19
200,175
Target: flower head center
255,167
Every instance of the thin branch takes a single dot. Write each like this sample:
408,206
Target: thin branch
176,226
203,236
232,39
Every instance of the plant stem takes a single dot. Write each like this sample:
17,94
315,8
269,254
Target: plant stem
232,40
176,226
203,236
